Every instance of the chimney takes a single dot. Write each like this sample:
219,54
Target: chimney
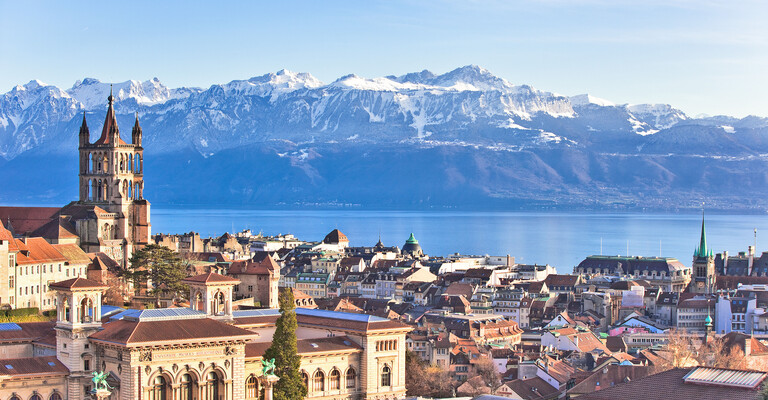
725,262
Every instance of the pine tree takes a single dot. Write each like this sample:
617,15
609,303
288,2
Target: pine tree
160,265
284,351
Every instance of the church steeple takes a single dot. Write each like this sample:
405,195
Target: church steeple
136,132
85,134
701,251
110,133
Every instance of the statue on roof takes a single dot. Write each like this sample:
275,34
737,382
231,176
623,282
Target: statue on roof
268,367
100,381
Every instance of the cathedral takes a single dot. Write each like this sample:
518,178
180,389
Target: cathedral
111,215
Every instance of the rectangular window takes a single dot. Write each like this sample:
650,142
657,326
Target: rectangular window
11,282
87,365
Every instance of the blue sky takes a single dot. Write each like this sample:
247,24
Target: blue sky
701,56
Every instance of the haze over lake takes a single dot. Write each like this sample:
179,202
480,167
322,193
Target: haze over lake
561,239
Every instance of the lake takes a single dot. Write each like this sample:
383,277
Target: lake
561,239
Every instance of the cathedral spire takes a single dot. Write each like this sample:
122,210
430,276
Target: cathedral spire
110,133
85,134
136,132
701,251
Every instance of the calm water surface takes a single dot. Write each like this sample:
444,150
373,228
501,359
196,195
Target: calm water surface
561,239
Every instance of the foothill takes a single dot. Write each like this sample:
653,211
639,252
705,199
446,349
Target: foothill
88,292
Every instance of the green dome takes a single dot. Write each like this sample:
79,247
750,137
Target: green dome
412,240
708,321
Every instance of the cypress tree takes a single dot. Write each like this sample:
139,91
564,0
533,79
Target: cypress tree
284,351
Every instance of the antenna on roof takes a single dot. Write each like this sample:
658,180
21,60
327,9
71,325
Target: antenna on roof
755,241
659,248
601,245
627,248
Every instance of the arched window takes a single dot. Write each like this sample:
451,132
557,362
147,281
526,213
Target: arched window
55,396
187,387
251,388
318,381
15,397
334,380
35,397
305,379
159,389
86,310
351,378
386,376
218,303
211,389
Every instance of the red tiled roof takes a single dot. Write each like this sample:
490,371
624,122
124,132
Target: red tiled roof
670,385
211,277
259,265
27,219
335,236
57,228
43,251
308,346
132,333
33,366
73,253
78,283
30,331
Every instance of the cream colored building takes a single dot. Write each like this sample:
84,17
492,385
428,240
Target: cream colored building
205,352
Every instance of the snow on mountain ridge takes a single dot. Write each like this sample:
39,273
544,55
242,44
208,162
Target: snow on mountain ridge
92,93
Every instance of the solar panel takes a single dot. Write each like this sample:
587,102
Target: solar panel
338,315
8,366
725,377
158,314
255,313
9,326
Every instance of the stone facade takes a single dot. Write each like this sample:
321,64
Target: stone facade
111,215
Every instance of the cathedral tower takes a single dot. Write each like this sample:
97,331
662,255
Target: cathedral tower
703,266
111,191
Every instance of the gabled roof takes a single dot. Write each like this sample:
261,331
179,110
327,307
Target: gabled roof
27,219
57,228
73,253
670,384
40,250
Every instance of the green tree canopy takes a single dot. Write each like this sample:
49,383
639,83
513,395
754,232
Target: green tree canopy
159,265
284,351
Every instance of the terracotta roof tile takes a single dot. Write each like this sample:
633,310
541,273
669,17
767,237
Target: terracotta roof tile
30,331
73,253
27,219
308,346
670,385
131,333
78,283
33,366
211,277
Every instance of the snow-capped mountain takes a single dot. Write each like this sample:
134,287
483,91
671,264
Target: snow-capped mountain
305,121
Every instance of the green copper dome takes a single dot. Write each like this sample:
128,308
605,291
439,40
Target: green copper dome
708,321
412,240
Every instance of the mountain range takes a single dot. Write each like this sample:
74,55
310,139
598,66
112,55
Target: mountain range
463,139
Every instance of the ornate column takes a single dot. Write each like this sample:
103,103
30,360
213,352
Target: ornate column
267,382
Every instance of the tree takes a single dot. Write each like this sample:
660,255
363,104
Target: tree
426,381
717,354
486,369
160,266
284,351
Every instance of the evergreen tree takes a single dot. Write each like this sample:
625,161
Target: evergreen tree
284,351
159,265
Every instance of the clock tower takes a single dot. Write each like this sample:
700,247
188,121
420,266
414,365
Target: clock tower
703,266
